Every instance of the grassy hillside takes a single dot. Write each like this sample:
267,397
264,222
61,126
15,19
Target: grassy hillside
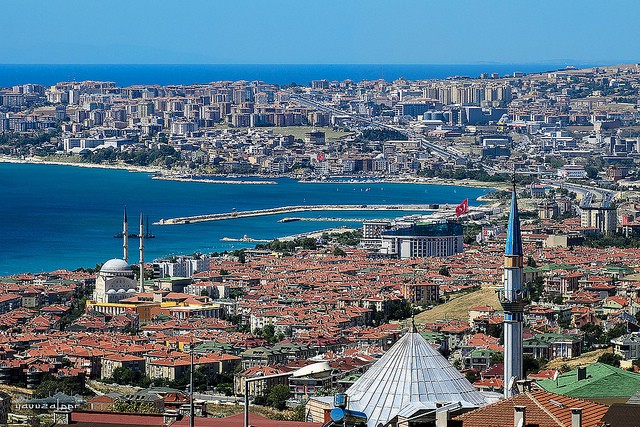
458,308
585,359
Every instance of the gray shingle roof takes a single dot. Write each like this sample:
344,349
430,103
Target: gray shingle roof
410,372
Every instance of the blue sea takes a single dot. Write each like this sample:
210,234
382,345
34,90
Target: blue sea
65,217
165,74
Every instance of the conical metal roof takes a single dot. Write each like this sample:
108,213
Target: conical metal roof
411,373
514,237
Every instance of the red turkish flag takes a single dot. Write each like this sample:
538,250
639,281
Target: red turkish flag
320,157
462,208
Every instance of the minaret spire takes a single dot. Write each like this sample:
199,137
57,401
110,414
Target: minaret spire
125,237
512,299
141,236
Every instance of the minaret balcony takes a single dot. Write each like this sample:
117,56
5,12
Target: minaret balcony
513,305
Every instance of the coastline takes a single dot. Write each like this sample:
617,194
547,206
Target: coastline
39,161
161,174
78,230
212,181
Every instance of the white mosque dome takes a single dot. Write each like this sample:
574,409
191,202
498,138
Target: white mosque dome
115,265
121,291
131,291
111,291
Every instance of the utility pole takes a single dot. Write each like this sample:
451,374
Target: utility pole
191,405
246,403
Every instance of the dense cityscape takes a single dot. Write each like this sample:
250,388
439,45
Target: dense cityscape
518,309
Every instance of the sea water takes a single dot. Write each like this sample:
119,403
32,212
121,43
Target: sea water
65,217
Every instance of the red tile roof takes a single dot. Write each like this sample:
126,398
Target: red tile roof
543,408
116,419
238,421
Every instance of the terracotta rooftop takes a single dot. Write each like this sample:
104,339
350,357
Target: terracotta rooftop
238,421
543,408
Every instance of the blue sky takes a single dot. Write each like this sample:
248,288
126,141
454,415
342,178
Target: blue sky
318,31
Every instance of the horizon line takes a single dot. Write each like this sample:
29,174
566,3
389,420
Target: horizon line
546,62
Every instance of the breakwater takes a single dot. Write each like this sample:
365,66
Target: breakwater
290,209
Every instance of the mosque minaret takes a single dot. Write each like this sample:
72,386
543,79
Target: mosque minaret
512,300
116,280
125,237
141,236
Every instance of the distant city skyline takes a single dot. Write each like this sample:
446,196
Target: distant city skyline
327,32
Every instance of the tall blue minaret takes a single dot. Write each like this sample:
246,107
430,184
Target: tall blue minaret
512,300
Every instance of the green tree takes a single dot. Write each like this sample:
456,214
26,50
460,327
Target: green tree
593,334
339,252
269,333
470,233
610,359
399,310
444,271
137,407
592,173
127,376
242,258
557,162
299,413
530,364
471,376
50,386
277,397
615,332
535,289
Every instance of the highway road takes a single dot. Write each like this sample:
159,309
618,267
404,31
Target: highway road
446,153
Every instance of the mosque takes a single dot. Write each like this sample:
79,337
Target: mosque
116,280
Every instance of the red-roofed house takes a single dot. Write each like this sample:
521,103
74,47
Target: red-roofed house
542,409
238,421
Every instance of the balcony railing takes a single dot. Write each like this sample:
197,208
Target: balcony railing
515,305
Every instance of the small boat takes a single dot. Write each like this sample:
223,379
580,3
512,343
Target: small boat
147,234
120,235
